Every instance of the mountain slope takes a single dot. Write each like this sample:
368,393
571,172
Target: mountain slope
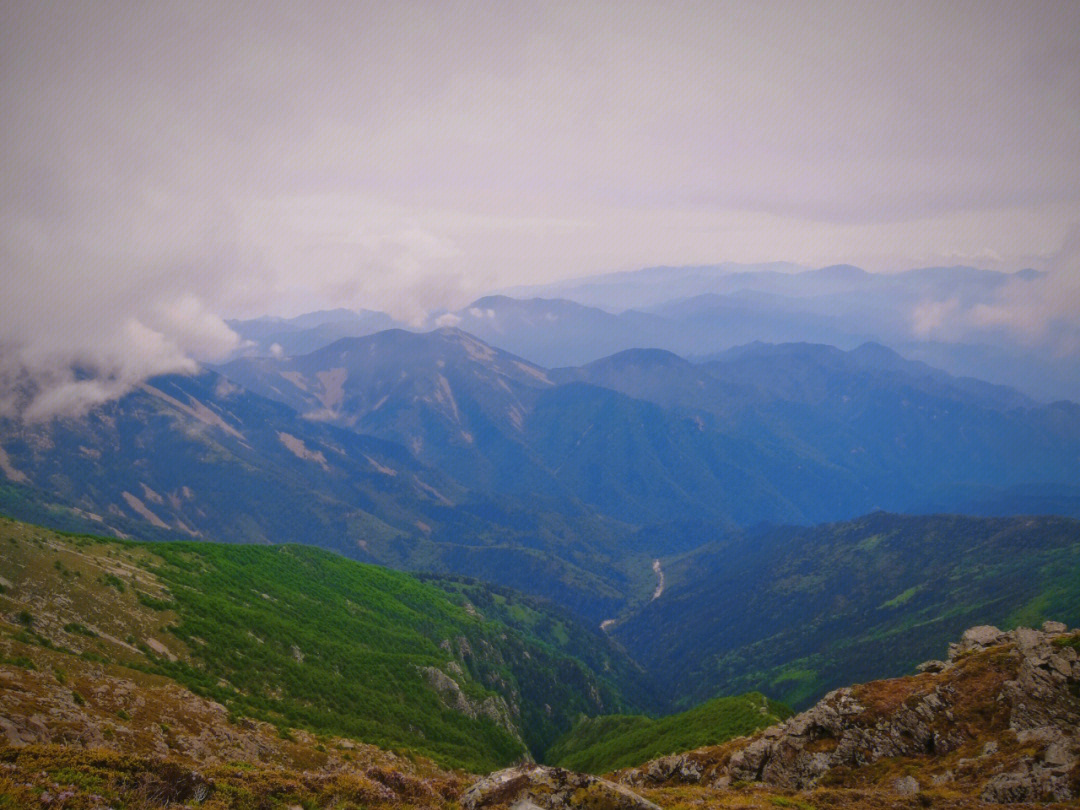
601,744
995,724
793,612
201,457
454,401
302,638
789,433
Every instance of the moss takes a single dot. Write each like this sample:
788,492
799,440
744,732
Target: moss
1067,641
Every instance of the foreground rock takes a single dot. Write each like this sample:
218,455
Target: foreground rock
537,786
998,722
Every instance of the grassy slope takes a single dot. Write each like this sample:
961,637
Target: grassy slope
602,744
298,637
794,612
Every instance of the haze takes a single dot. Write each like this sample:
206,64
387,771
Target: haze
167,165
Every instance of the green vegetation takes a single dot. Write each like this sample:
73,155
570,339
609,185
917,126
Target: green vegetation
305,639
601,744
113,581
79,629
796,611
1068,641
152,603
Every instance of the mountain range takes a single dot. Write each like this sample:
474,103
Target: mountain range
436,451
596,534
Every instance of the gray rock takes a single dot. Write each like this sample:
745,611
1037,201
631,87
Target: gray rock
932,666
1055,627
1028,782
906,785
493,707
678,767
1040,701
985,635
537,786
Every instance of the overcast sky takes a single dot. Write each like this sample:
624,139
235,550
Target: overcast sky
165,164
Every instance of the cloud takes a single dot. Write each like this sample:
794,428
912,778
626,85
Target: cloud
1041,312
74,339
168,164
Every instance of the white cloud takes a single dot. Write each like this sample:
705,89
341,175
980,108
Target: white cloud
1042,313
165,164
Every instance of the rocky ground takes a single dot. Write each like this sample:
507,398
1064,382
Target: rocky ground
77,733
998,722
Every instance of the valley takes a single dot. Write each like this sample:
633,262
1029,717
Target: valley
540,406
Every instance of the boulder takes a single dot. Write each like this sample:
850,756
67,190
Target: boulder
906,785
932,666
977,638
526,787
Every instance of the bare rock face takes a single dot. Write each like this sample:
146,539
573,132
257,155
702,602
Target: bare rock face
493,707
537,786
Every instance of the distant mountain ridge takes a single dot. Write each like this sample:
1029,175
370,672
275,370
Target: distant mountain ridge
926,313
788,433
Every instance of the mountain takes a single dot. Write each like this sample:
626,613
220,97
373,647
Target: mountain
794,612
302,638
456,402
697,311
437,452
790,433
308,332
201,457
882,431
929,314
995,723
638,289
557,332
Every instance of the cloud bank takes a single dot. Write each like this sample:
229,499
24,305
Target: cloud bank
165,165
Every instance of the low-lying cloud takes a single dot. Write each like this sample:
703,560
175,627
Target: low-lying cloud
1040,313
79,342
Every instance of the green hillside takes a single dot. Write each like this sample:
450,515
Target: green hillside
602,744
303,638
797,611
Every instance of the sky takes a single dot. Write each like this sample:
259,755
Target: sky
167,165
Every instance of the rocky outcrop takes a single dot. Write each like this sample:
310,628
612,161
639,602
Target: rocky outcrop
675,768
538,787
1012,697
453,697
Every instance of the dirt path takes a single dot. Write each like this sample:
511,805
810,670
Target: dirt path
659,580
